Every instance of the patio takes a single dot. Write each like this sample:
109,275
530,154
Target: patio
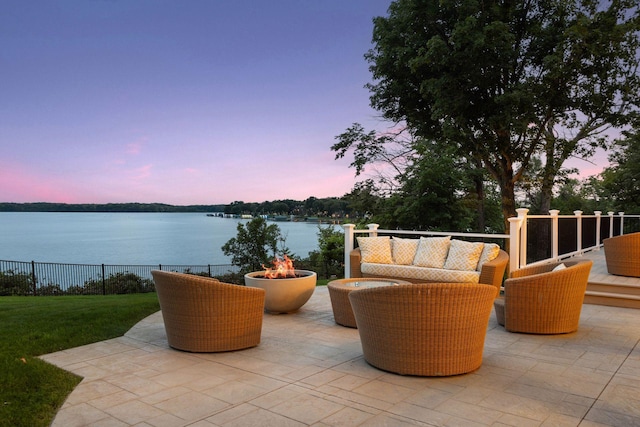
309,371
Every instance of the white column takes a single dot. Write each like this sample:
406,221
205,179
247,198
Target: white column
610,223
554,233
578,215
348,247
522,215
598,227
514,243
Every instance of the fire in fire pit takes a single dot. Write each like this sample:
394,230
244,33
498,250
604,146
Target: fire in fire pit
282,268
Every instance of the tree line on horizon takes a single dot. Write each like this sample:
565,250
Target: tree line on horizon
312,206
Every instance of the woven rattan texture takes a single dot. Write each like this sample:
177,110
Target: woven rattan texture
622,254
428,329
204,315
538,300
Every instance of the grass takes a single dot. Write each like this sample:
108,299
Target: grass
32,390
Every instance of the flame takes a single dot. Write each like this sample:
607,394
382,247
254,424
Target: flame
282,268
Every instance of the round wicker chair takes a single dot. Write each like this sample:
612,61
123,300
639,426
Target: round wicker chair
428,329
622,254
202,314
539,300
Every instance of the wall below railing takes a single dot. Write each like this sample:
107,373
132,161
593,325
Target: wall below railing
532,239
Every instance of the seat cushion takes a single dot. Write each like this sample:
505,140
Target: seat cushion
419,273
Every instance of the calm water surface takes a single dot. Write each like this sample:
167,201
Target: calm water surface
130,238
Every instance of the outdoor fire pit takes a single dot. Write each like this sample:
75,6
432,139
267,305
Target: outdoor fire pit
287,289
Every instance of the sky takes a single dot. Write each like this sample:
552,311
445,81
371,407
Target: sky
181,102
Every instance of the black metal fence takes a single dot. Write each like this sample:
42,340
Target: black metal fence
40,278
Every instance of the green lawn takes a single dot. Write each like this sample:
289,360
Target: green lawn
31,390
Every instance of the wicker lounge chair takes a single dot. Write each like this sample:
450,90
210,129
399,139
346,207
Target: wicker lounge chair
428,329
622,254
538,300
204,315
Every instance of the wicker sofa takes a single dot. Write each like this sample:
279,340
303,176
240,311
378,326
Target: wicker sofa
485,265
427,329
622,254
202,314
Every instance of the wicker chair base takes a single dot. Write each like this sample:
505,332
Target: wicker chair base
204,315
429,329
622,254
539,300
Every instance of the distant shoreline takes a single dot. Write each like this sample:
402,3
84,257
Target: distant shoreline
107,207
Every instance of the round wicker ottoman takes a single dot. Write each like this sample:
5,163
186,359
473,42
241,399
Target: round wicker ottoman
339,293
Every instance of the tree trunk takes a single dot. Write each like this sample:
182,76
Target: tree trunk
508,202
480,223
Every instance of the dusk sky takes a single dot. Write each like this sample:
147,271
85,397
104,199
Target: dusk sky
180,102
184,101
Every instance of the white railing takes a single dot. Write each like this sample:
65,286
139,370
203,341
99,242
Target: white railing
516,240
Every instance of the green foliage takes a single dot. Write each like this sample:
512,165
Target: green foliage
331,253
33,390
502,82
621,181
256,244
12,283
117,283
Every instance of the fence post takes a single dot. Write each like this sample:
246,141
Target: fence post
348,247
522,237
554,233
514,243
33,278
621,222
578,215
598,227
104,282
610,223
209,269
373,229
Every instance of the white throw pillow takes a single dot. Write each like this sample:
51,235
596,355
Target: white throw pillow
559,267
404,250
489,253
432,252
375,249
463,255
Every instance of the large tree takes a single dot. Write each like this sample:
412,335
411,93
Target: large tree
506,80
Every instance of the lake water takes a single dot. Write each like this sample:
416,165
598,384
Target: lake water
131,238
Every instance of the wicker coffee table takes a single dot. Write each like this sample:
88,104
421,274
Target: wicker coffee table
339,293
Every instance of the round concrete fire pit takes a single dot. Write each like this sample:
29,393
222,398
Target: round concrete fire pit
284,295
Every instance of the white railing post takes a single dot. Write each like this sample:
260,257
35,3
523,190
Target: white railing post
373,229
348,247
554,233
522,214
514,243
621,222
578,215
610,223
598,226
